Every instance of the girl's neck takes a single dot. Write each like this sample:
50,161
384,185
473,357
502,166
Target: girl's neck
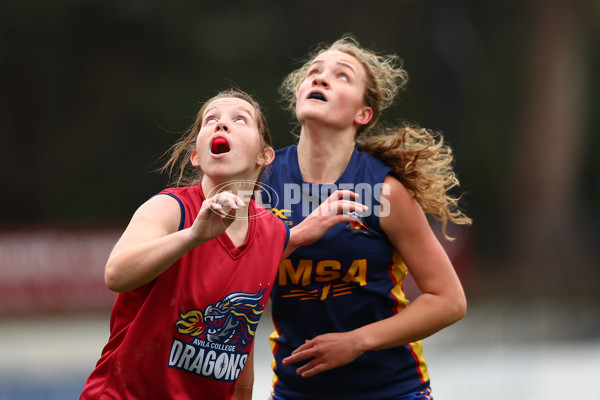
323,156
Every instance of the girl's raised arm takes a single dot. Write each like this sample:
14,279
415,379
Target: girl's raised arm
152,243
148,246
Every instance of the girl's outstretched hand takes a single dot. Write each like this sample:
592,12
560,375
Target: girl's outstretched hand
215,216
331,212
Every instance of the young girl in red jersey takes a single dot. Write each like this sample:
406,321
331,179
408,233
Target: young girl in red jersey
195,266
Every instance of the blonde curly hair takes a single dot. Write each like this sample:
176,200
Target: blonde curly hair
419,158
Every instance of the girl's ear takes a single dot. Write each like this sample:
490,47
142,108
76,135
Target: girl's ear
194,159
363,116
266,157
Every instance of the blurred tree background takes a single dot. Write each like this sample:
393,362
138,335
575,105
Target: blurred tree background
93,92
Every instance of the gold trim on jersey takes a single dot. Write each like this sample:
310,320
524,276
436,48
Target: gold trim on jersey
399,271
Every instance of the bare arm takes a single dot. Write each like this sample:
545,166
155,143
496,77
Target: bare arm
442,301
151,242
245,381
441,304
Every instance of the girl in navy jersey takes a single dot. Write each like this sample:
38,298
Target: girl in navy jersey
344,329
196,265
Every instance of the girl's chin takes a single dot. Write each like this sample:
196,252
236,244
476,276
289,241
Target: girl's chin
311,113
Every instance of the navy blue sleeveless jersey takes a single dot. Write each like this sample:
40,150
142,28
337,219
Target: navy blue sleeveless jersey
351,277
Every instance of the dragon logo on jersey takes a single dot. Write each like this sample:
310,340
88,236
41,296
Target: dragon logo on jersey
230,321
221,333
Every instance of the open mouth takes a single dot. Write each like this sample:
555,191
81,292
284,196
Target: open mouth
317,96
219,146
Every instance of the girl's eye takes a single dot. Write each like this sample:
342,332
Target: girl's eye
343,77
240,120
209,120
313,72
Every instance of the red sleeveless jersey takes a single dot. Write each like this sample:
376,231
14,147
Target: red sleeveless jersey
187,334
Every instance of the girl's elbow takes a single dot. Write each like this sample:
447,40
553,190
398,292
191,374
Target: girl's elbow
459,307
111,279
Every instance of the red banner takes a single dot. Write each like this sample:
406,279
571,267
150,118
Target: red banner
55,269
